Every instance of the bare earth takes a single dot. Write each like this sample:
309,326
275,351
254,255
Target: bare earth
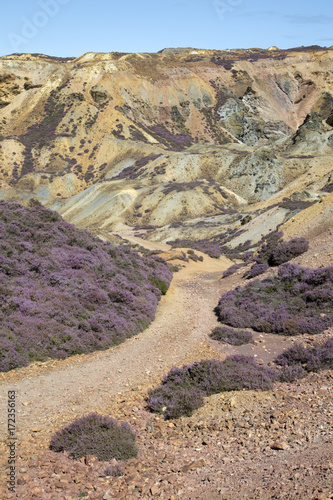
254,445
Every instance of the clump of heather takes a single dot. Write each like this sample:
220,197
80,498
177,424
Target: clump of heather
306,359
291,373
231,270
231,336
193,256
97,435
114,471
256,270
288,250
299,300
275,251
183,389
265,251
65,292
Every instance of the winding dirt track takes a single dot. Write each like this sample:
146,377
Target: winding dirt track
58,391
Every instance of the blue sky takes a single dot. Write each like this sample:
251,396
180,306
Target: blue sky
73,27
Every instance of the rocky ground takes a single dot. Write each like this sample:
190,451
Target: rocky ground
240,445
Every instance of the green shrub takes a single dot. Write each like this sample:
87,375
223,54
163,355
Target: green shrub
160,284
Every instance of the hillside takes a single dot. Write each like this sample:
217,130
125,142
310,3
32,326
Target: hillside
64,292
184,141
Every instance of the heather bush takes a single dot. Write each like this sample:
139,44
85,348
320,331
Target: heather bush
309,359
275,252
183,389
134,171
231,270
114,471
176,142
287,250
231,336
241,251
328,188
295,355
291,373
96,435
265,251
193,256
175,402
65,292
299,300
256,270
295,206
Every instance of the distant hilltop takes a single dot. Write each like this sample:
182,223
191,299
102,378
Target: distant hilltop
170,51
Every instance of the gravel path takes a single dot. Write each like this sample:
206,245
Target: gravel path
47,392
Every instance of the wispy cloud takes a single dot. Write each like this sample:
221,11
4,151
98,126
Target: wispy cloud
258,13
299,19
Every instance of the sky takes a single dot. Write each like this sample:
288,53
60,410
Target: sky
69,28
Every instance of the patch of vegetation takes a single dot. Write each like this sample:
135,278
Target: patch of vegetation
243,251
312,358
180,187
193,256
175,269
96,435
114,471
118,132
287,250
174,142
231,336
43,132
295,206
65,292
299,300
246,220
298,360
134,171
274,252
231,270
211,115
328,188
256,270
183,389
251,55
160,284
136,134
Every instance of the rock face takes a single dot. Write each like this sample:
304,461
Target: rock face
159,138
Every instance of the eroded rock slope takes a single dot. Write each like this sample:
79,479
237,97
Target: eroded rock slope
192,137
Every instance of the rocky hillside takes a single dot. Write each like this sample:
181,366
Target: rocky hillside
184,141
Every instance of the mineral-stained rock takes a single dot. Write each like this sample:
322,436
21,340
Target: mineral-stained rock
312,123
99,96
114,140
